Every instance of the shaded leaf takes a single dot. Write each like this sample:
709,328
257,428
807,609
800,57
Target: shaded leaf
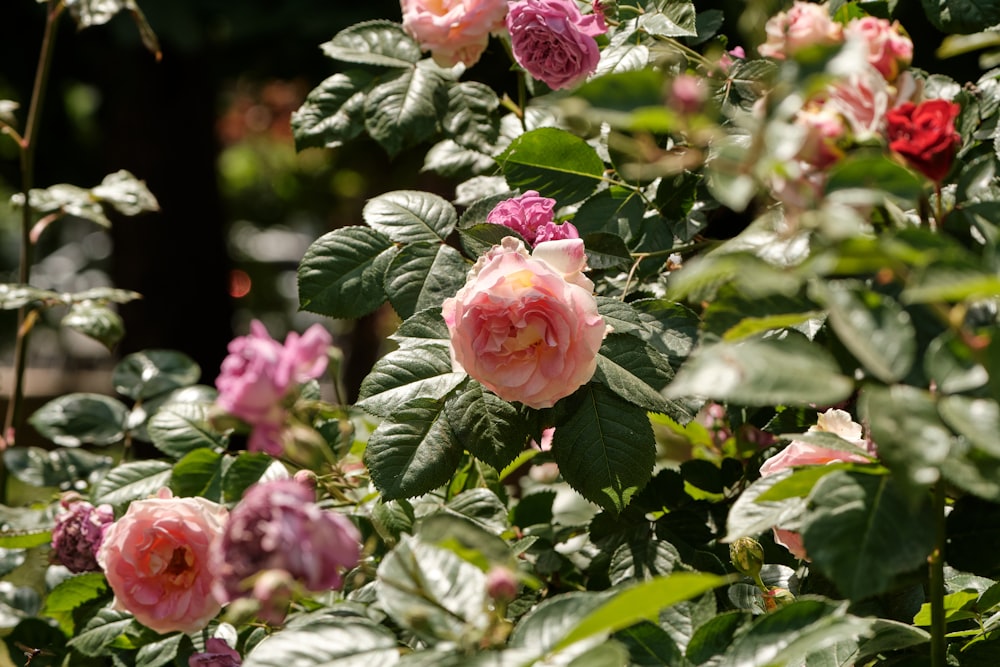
342,273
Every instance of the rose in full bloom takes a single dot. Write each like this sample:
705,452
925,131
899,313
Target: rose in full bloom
271,517
454,31
553,41
78,533
890,49
804,25
799,453
924,134
258,374
526,326
532,217
156,559
217,654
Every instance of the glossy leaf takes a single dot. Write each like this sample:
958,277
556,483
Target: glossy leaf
98,322
409,216
143,375
471,120
72,593
637,373
60,468
199,473
962,16
411,372
77,419
346,642
179,428
402,107
333,112
131,481
492,429
380,43
423,275
554,162
342,272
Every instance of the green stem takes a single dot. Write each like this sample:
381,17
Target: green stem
939,644
28,151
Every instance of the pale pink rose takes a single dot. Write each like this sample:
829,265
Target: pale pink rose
217,654
804,25
259,373
526,326
687,94
553,41
454,31
823,130
531,216
156,560
862,98
799,453
889,47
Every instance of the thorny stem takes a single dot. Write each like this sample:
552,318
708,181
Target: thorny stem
28,149
939,644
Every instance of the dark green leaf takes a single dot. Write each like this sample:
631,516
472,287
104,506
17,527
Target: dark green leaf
413,371
951,364
636,372
423,275
100,631
422,328
651,646
978,419
861,531
342,273
199,473
962,16
402,108
413,453
609,211
61,468
864,177
478,239
76,419
246,468
490,428
333,112
409,216
749,518
669,19
554,162
131,481
471,120
143,375
70,594
178,428
604,446
606,251
715,636
334,642
98,322
374,43
160,652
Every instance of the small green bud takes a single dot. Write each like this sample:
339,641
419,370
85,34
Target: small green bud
747,556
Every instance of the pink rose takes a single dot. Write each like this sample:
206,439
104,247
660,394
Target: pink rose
532,217
454,31
799,453
553,41
526,326
259,374
804,25
889,47
217,654
687,94
823,131
156,560
862,98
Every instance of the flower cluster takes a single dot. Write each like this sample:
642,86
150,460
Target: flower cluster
260,374
551,39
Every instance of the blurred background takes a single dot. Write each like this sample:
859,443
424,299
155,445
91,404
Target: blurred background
207,129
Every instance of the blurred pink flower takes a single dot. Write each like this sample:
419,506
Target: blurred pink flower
862,98
687,94
259,373
271,517
156,560
454,31
217,654
553,41
532,217
78,533
526,326
804,25
823,130
889,47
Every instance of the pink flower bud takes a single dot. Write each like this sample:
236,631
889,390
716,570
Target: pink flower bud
217,654
501,584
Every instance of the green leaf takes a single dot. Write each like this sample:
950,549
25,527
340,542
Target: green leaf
750,516
861,531
864,177
962,16
641,602
77,419
650,645
178,428
604,447
332,642
554,162
490,428
245,469
790,371
625,57
125,193
978,419
545,626
433,593
471,120
414,371
670,19
98,322
143,375
413,453
131,481
24,539
478,239
425,327
100,631
71,593
333,112
958,606
713,637
13,296
610,211
199,473
637,373
874,327
402,108
951,364
380,43
62,468
342,273
455,161
422,275
788,634
733,316
161,652
409,216
889,636
606,251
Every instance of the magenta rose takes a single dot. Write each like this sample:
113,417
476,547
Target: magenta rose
890,49
217,654
526,326
532,217
271,517
259,373
553,41
78,533
924,134
804,25
454,31
156,560
799,453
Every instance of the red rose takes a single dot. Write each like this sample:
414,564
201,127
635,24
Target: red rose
924,134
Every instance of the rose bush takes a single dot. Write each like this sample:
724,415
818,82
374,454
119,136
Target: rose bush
526,326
